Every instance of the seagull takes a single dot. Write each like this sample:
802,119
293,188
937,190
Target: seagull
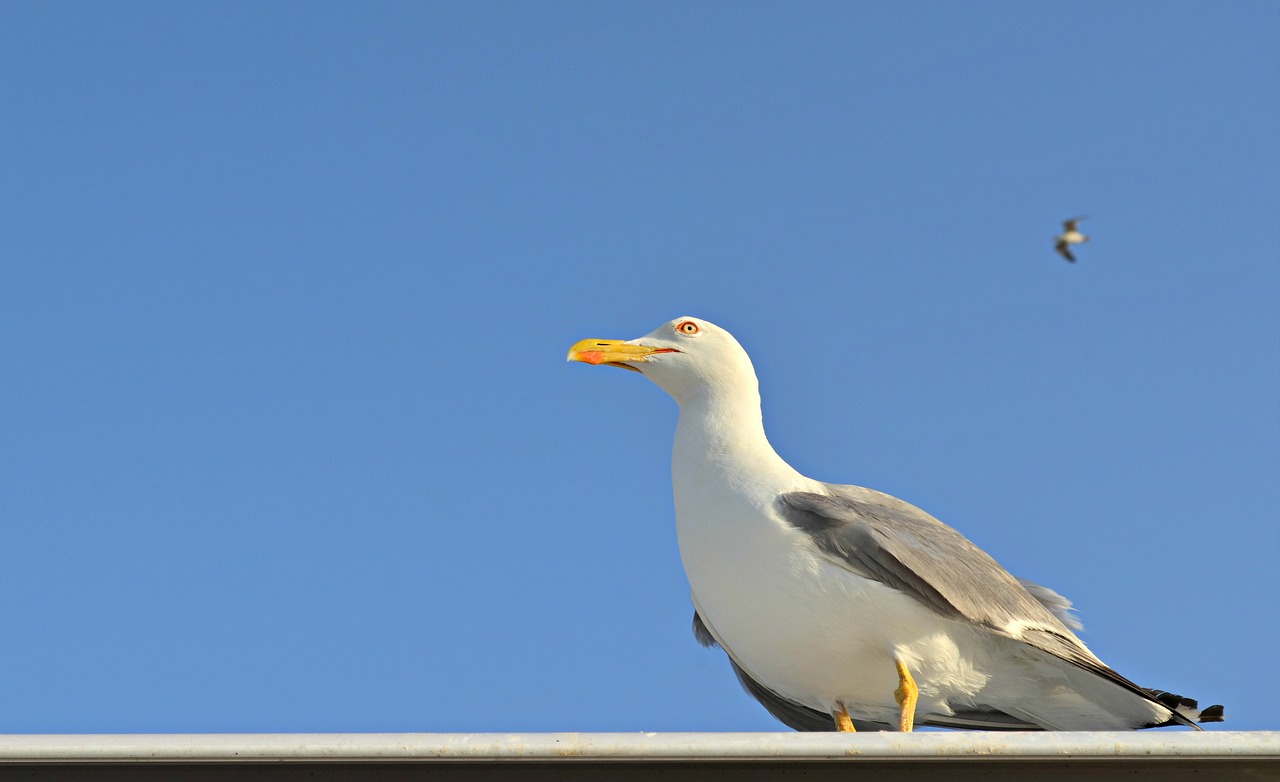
843,608
1070,235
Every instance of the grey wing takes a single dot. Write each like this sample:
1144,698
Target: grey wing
891,541
886,539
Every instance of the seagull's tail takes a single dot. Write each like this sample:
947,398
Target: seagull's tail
1186,707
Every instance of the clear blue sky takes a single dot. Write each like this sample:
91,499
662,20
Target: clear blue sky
287,437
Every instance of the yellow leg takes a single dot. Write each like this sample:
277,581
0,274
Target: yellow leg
906,695
843,723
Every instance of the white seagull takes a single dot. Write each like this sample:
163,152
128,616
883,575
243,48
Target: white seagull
1070,235
844,608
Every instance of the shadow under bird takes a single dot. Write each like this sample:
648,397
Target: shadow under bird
844,608
1070,235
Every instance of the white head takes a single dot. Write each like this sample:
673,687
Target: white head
689,358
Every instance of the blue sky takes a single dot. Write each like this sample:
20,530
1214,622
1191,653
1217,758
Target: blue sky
287,437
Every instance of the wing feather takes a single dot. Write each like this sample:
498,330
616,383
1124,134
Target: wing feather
896,543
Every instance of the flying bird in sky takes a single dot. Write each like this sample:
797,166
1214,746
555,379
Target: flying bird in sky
1070,235
844,608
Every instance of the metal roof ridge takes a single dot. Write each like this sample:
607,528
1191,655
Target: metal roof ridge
317,747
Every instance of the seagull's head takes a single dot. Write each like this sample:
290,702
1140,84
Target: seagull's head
688,357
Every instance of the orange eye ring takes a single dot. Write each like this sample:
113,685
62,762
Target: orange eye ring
688,327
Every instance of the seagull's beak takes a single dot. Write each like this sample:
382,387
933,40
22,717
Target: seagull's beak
613,352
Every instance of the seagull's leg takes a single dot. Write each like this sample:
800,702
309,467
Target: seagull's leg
843,723
906,695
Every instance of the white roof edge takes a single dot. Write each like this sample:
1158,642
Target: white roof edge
494,747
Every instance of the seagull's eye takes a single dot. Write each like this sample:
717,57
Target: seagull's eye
687,327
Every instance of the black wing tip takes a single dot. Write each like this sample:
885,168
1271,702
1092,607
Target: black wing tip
1170,700
1188,708
1212,714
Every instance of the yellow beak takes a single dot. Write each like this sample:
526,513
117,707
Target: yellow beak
613,353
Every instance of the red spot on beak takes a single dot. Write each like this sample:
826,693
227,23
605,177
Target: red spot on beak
591,356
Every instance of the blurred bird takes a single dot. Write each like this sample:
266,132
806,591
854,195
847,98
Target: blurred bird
1070,235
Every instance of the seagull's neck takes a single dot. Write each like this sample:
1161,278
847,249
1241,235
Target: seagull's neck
720,438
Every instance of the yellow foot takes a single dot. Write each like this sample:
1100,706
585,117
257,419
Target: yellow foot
906,695
843,723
